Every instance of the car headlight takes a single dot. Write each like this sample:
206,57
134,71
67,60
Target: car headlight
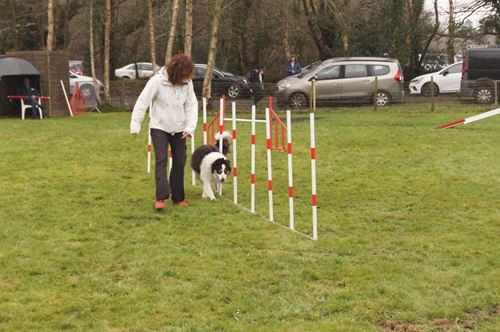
282,87
416,80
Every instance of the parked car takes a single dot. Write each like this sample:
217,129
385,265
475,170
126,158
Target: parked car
223,83
84,84
447,80
345,80
145,70
480,70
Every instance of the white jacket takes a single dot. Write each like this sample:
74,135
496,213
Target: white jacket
174,107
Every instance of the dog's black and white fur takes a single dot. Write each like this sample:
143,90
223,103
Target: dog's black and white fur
210,165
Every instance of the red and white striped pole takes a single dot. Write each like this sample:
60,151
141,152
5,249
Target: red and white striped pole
252,164
221,123
149,151
290,169
221,130
205,129
235,155
471,119
313,179
193,174
269,165
149,141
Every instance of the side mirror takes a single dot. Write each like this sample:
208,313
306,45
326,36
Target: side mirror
444,73
315,77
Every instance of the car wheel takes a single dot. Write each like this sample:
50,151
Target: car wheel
233,91
297,100
484,95
427,90
382,98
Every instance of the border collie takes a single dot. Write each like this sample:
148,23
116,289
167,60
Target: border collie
210,165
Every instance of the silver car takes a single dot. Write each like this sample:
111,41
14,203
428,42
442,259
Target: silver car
344,80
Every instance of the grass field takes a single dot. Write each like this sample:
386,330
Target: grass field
409,220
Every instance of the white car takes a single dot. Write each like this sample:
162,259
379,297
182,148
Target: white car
145,70
84,83
447,80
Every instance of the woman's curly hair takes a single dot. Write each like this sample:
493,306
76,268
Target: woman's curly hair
180,69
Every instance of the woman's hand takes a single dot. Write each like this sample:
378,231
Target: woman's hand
185,134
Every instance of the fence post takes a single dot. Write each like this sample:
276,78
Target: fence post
432,93
375,94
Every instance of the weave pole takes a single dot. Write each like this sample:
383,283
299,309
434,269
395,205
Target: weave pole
149,151
290,169
313,179
204,110
221,130
269,165
252,164
235,160
193,174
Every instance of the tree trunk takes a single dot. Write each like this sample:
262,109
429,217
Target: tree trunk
107,34
207,82
188,36
91,38
173,28
50,25
324,50
152,44
431,36
450,45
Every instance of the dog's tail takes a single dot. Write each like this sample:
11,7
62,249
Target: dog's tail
226,139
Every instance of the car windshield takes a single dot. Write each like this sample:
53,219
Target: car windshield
309,68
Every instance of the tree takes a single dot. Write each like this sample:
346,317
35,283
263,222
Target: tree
188,35
152,43
318,32
450,45
91,38
107,46
219,9
50,25
173,28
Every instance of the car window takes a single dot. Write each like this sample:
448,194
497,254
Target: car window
132,66
357,70
329,73
379,70
146,66
455,69
200,72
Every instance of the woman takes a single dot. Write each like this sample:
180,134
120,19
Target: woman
174,115
293,67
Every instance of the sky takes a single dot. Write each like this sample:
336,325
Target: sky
443,7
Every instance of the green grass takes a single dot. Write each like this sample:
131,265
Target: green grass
408,230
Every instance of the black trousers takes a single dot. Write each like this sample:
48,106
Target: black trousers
175,184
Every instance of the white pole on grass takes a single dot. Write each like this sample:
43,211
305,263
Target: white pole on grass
290,169
221,129
193,175
252,164
149,151
235,159
66,97
313,179
269,165
205,134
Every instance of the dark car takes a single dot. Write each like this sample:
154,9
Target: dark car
223,83
480,70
